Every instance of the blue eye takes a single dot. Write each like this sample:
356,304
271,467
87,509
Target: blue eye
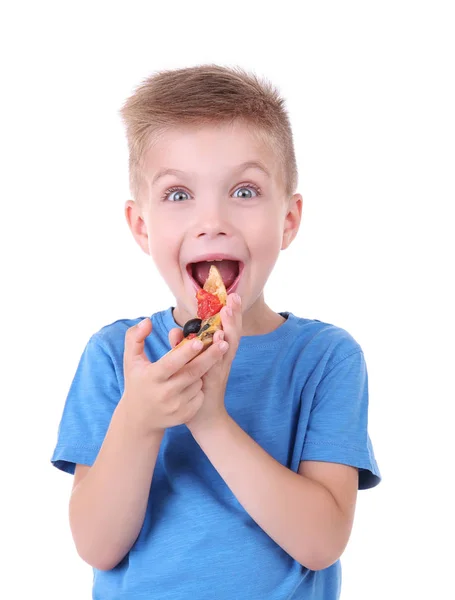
176,194
168,195
248,188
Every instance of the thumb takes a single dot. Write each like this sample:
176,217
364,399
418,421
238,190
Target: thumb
134,340
175,336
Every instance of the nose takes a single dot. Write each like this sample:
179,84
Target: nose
212,220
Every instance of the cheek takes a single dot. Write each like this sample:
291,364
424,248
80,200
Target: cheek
163,245
265,237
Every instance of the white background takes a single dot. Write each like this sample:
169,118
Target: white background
370,92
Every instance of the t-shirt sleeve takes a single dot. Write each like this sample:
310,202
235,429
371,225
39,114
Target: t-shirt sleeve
91,401
338,421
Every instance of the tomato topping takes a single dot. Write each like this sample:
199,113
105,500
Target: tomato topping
207,304
190,336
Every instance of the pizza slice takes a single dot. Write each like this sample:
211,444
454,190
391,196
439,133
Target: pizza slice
211,299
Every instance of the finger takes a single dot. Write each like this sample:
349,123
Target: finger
177,358
134,341
175,336
205,361
193,406
232,322
218,336
192,390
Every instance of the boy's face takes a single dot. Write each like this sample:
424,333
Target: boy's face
213,208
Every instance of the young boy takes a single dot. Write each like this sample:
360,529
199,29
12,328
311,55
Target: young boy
230,473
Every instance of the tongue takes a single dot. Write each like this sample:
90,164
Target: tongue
229,269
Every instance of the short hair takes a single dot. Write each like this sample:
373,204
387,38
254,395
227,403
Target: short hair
206,95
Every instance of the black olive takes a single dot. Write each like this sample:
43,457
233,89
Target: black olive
206,326
192,326
203,334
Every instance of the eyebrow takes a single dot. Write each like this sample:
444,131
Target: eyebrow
250,164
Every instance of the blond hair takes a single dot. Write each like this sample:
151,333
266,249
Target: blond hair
204,95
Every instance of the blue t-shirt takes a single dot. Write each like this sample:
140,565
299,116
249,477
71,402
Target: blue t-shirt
300,391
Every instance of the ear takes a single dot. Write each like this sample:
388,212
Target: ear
137,224
292,220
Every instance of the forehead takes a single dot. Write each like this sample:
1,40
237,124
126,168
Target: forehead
210,150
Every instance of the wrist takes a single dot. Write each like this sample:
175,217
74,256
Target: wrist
134,426
210,424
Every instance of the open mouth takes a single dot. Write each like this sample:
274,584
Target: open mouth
230,271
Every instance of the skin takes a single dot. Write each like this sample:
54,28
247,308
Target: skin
308,513
212,218
219,212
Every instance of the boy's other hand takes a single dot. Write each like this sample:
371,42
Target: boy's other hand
168,392
214,381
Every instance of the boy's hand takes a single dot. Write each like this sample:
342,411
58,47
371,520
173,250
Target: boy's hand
168,392
214,381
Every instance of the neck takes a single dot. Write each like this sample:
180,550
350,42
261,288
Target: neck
260,319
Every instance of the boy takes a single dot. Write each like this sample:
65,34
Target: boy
232,472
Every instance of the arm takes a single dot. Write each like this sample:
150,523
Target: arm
109,500
309,513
